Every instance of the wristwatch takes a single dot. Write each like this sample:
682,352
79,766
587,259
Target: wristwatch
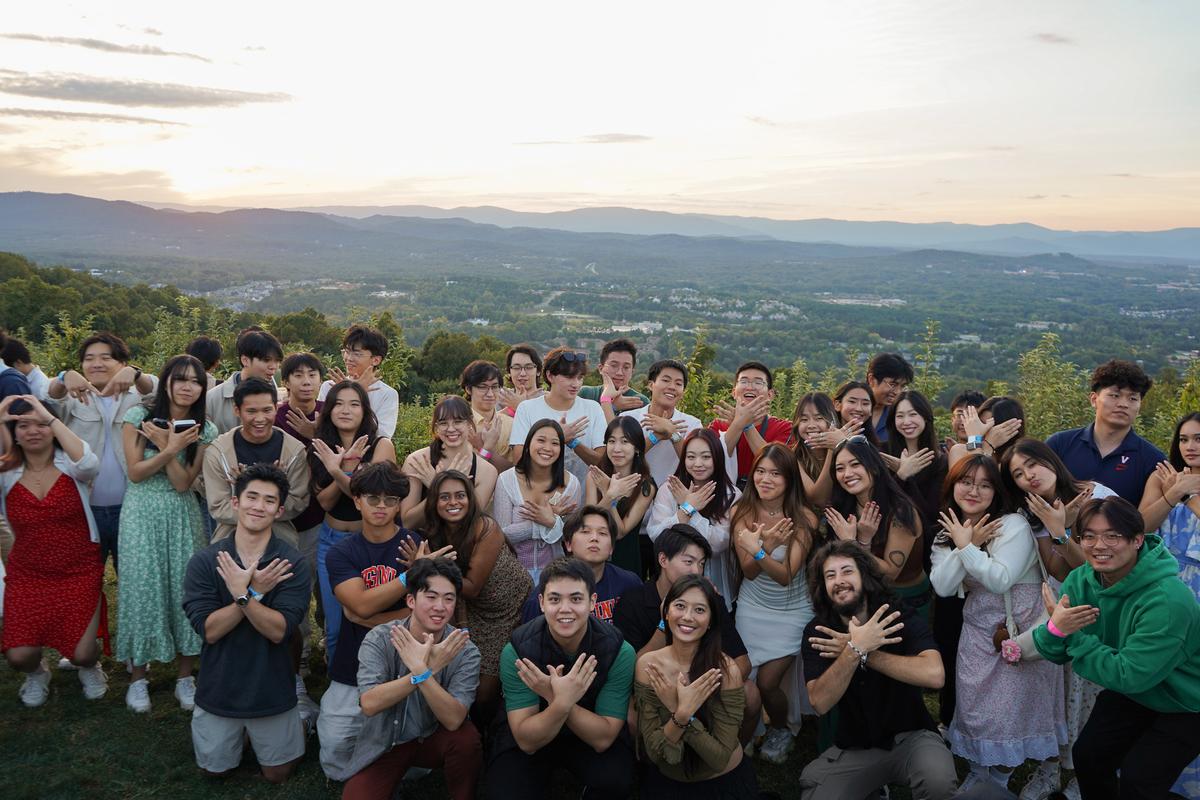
974,442
243,600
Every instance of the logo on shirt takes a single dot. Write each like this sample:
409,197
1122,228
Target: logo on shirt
604,609
378,575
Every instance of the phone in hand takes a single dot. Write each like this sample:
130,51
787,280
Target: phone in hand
182,425
160,422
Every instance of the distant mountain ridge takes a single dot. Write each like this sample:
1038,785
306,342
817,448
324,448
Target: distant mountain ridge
1022,238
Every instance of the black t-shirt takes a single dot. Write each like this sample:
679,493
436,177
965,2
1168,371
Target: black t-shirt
639,610
266,453
356,557
875,708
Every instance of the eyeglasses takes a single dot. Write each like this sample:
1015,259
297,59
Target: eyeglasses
490,388
983,486
523,368
756,383
389,500
447,424
892,383
1109,539
354,355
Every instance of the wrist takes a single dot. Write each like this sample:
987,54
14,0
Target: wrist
417,678
1055,630
485,453
761,554
651,439
573,443
687,508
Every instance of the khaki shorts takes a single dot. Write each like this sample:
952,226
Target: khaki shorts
276,740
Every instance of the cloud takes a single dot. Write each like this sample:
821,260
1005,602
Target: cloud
254,48
1123,175
597,138
1052,38
1035,197
80,116
765,122
40,169
100,44
90,89
147,31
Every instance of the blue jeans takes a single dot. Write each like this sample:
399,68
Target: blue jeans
108,523
329,604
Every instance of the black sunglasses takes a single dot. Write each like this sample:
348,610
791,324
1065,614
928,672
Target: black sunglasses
571,358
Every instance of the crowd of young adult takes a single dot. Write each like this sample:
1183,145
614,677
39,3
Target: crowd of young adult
585,578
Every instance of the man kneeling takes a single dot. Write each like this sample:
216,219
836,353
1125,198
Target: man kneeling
567,678
416,680
872,663
245,595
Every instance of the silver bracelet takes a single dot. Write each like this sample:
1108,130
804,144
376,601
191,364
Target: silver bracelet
862,655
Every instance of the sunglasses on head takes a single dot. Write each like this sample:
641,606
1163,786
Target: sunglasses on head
571,358
857,438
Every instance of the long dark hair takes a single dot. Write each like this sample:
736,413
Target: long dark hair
840,395
558,478
722,499
449,407
1176,454
159,407
463,536
875,589
795,504
823,405
969,466
709,653
894,503
1065,485
328,433
926,438
633,432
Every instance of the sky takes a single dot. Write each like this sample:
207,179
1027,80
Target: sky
1077,115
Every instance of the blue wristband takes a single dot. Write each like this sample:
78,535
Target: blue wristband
424,676
651,438
60,375
572,444
253,594
687,508
760,555
662,624
403,578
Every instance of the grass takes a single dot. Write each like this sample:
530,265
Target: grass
71,748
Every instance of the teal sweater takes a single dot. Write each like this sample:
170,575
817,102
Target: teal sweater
1146,642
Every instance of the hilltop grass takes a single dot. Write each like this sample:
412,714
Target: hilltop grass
72,748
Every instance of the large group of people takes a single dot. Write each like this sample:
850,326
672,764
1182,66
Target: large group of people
585,578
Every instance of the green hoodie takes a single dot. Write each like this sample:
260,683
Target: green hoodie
1146,642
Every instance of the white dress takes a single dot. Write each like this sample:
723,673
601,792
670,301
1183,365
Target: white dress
536,545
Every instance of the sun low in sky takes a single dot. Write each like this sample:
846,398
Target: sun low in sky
1082,115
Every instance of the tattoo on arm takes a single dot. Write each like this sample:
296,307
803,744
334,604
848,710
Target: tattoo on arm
897,557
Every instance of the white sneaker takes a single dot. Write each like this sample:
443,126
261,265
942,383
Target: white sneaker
65,665
95,682
185,692
308,710
1045,780
36,687
976,774
137,697
1000,777
776,746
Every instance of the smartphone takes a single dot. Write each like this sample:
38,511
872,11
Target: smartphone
159,422
182,425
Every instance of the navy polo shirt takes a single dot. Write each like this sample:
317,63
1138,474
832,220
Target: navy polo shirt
1124,470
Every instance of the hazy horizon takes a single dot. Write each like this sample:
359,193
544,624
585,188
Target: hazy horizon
1079,116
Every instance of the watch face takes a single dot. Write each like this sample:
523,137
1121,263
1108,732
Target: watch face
241,601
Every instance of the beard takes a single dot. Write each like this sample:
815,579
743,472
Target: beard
850,607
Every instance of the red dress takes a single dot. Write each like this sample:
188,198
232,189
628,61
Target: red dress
55,575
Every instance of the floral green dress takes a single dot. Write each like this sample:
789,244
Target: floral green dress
160,529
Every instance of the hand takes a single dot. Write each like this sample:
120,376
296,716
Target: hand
330,459
411,553
627,402
78,386
876,632
336,374
912,464
460,462
157,436
5,404
237,579
844,528
831,644
825,440
1175,484
36,412
301,424
569,688
418,467
367,377
750,539
973,425
999,434
748,413
1069,619
574,429
488,435
119,384
178,441
353,457
413,652
985,531
608,388
511,398
699,495
693,694
541,513
663,688
267,578
868,523
600,478
663,427
1075,505
777,534
537,681
563,507
620,488
1053,515
960,532
443,652
723,411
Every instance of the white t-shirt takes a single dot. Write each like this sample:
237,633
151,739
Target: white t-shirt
384,400
531,411
662,458
108,489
